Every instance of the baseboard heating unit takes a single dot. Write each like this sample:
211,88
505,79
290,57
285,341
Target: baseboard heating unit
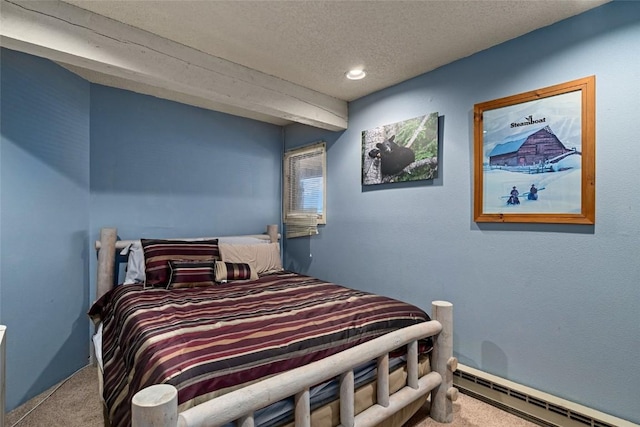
534,405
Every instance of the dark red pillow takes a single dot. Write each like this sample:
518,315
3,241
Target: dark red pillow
191,274
158,253
228,271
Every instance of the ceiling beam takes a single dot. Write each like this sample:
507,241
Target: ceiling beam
147,63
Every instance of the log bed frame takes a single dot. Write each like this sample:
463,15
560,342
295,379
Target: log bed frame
157,405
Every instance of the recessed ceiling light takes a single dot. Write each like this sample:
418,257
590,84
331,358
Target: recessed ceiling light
356,74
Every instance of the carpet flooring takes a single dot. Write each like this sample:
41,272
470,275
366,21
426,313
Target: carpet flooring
75,403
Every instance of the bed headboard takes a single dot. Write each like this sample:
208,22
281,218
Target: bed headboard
108,245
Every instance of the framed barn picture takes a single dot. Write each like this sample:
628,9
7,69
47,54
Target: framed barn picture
534,156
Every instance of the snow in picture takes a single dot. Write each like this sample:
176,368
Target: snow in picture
532,156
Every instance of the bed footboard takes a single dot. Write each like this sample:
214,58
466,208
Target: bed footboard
157,405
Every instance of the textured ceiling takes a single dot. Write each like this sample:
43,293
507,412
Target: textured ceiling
279,62
313,43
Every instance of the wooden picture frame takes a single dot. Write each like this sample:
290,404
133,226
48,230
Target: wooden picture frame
534,141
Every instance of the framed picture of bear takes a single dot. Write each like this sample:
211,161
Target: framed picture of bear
534,156
401,152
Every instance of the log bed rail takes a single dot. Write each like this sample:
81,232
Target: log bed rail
157,405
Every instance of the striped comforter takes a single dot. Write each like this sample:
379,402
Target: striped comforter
208,341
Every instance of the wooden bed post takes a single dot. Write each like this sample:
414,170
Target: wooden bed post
443,362
155,406
106,261
272,232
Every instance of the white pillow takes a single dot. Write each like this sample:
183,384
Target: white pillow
135,264
265,258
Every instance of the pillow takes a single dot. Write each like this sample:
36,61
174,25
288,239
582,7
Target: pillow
135,264
226,271
158,253
265,258
190,274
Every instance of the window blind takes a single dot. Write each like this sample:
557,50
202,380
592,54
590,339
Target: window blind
304,197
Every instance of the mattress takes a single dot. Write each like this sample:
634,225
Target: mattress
211,340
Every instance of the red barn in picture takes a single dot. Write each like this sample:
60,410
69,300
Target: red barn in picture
528,149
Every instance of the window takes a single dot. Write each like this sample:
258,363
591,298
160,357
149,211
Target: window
304,190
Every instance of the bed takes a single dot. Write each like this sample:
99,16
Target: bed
218,333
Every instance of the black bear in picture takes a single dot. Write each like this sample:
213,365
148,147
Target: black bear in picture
393,158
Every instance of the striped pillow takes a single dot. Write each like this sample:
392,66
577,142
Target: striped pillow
158,253
190,274
226,271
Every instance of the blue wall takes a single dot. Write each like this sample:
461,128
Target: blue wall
163,169
76,157
45,216
567,321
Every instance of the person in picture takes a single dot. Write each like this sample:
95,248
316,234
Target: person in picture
513,198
